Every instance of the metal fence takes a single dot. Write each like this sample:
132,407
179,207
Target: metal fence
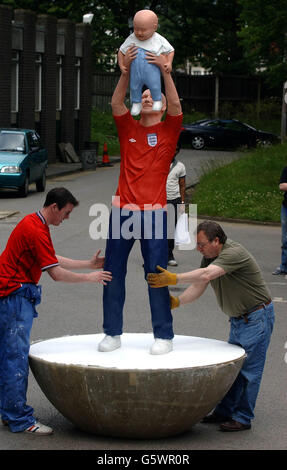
203,93
104,84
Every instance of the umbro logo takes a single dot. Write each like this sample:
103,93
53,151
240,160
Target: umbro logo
132,140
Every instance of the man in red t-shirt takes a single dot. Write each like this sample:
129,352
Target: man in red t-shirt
147,148
28,253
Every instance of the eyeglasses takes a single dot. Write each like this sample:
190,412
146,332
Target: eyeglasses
202,245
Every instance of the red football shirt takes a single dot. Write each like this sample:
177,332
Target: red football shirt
146,153
28,252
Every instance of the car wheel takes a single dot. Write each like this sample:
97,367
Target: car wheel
197,142
264,143
24,189
41,183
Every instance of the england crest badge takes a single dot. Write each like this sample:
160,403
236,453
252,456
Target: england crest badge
152,140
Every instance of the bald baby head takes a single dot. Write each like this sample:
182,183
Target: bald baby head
145,24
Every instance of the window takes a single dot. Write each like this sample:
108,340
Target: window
12,141
59,84
234,126
213,124
38,83
77,83
15,82
34,140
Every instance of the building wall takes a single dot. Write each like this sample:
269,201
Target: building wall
26,21
6,16
67,28
46,125
43,60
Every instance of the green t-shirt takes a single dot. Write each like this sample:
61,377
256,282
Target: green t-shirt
242,287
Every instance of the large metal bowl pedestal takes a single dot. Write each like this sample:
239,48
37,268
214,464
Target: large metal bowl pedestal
129,392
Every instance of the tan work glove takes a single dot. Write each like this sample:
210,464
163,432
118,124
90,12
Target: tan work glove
165,278
174,302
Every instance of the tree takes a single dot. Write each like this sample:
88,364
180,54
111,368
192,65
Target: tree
263,36
109,27
225,36
205,31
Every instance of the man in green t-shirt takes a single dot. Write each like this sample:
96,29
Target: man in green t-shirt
244,297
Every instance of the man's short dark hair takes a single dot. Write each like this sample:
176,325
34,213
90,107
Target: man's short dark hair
60,196
212,230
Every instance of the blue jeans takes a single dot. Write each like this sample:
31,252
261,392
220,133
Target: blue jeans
283,265
143,73
154,251
17,311
254,337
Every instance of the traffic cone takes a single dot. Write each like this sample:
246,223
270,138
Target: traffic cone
105,160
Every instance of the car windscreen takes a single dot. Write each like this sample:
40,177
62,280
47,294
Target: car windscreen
12,142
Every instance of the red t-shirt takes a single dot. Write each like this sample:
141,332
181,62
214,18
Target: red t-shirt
146,154
28,252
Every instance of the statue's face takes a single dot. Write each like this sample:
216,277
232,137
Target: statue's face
144,27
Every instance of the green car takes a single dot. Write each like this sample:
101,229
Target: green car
23,160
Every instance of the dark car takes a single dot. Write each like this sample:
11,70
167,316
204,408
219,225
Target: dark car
228,133
23,160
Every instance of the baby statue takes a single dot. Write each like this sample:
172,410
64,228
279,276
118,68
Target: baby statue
145,38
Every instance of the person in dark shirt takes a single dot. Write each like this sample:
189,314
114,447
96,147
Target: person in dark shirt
282,269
